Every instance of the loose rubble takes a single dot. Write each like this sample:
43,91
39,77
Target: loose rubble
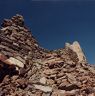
27,69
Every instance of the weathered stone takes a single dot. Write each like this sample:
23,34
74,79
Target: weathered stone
6,23
68,87
22,83
20,59
93,94
26,69
43,88
13,61
60,75
14,78
49,72
43,80
8,54
2,57
59,93
46,94
77,49
63,84
50,82
18,20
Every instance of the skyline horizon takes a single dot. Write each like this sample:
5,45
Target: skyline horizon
55,23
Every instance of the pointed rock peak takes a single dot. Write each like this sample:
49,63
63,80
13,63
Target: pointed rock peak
17,38
75,47
15,20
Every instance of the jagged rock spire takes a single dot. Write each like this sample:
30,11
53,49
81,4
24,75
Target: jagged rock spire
16,42
15,20
75,47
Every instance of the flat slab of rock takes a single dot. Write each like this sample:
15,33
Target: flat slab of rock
43,80
13,61
43,88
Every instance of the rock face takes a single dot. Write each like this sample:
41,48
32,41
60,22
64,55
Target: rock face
26,69
77,49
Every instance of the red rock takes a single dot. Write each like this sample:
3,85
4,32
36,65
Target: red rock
62,72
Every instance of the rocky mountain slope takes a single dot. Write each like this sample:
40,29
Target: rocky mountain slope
27,69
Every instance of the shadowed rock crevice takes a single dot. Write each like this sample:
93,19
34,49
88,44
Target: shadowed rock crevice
6,70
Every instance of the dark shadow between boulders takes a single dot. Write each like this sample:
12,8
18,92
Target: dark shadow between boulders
6,70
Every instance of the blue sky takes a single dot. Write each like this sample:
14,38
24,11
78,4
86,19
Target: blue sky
54,22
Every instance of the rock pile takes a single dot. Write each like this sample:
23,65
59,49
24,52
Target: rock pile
26,69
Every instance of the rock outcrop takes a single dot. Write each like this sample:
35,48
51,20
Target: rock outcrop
27,69
77,49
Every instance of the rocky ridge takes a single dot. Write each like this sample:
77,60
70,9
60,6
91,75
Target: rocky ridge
26,69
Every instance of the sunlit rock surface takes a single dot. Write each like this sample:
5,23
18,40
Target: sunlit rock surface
27,69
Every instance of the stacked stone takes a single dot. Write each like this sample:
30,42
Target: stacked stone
62,78
26,69
18,49
16,37
16,40
15,20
